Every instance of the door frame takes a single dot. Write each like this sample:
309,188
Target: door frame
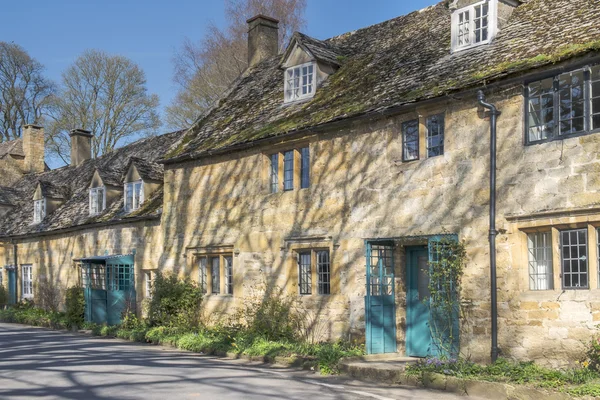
412,267
12,284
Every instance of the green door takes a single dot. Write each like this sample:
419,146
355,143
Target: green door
380,305
120,295
418,334
12,286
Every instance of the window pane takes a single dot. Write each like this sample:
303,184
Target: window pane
274,172
574,258
570,89
435,135
595,96
305,167
202,272
410,140
305,278
215,275
228,274
324,272
288,170
540,260
541,110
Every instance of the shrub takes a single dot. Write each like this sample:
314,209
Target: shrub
3,296
174,303
48,295
75,306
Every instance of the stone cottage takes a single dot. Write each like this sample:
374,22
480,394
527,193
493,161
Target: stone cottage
331,169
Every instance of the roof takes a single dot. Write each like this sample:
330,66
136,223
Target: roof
148,170
110,176
12,147
323,51
8,196
53,190
74,181
395,63
102,259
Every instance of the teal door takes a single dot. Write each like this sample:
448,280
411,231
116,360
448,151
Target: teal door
109,290
418,334
380,305
12,286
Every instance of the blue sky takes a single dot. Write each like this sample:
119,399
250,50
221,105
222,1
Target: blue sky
148,31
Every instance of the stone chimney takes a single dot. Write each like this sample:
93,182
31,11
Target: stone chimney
263,38
33,147
81,146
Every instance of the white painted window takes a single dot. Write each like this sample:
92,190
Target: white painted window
134,195
148,284
27,281
474,25
39,210
300,82
539,248
1,277
97,200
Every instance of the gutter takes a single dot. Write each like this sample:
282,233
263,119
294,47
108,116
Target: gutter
394,110
11,239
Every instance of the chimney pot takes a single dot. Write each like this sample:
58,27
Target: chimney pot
263,38
81,146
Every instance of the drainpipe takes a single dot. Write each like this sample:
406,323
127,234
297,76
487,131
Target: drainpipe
494,113
15,261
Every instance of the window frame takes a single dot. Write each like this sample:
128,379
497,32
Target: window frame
403,129
313,84
587,100
95,191
140,196
39,217
27,281
492,25
221,268
562,260
308,288
440,145
289,169
274,172
148,283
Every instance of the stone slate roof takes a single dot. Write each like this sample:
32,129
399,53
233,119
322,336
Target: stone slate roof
8,196
54,190
110,176
321,50
148,170
12,147
75,181
391,64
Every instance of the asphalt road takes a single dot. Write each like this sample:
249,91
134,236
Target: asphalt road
37,363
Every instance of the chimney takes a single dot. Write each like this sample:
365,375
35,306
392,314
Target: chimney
33,147
263,38
81,146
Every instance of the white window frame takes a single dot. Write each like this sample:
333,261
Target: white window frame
148,281
39,210
94,195
137,200
286,86
1,276
492,24
27,281
540,255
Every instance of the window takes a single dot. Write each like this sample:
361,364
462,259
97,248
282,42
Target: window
148,284
97,200
295,167
539,246
119,277
202,272
134,195
574,260
306,260
39,210
304,167
435,135
1,277
215,275
564,105
27,281
288,170
299,82
274,172
474,25
410,140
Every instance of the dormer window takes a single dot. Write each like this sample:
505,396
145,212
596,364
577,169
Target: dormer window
97,200
474,25
134,195
300,82
39,210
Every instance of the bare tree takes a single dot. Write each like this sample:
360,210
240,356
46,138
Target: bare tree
106,95
204,70
25,94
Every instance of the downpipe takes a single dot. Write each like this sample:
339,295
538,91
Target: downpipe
494,113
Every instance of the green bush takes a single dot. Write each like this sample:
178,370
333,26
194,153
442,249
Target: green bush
174,303
3,296
75,306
